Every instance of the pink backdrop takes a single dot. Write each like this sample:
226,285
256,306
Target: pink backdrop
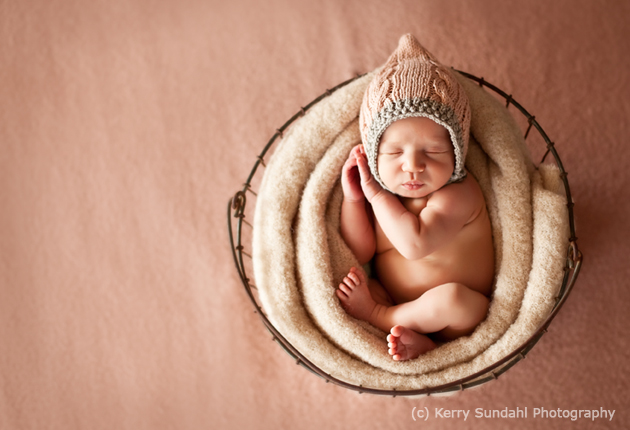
125,127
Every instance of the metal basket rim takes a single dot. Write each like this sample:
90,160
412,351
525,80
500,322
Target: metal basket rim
236,207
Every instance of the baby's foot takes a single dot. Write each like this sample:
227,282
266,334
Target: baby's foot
406,344
355,296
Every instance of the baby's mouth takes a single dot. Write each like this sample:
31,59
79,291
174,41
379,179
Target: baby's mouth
412,185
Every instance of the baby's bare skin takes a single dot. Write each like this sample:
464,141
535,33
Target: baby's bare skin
431,242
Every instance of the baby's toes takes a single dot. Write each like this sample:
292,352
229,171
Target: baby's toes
349,282
397,331
356,280
344,289
392,349
360,274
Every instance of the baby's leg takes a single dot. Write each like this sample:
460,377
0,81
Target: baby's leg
450,310
362,297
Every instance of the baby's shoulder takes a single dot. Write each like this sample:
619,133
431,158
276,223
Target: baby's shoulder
463,194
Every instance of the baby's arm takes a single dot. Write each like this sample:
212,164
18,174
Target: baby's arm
415,237
356,227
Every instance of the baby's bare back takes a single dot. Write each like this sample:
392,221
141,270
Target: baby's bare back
468,258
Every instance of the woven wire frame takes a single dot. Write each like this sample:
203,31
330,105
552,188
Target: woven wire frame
237,222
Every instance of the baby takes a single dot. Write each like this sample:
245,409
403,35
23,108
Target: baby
426,224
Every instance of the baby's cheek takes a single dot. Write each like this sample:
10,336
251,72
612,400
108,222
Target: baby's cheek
384,165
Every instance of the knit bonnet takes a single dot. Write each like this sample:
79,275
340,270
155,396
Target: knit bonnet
412,83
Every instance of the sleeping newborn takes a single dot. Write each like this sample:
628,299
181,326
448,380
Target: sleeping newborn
425,223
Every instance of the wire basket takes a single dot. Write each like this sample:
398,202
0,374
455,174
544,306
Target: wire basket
240,234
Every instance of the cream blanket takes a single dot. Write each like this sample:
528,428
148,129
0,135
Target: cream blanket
300,257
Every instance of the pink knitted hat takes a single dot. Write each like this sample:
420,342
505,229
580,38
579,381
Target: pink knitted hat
413,83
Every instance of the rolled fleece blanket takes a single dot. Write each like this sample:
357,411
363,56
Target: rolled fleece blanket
300,257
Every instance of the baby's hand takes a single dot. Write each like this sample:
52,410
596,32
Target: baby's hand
369,184
350,178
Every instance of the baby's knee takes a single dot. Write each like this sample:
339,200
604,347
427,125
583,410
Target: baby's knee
452,294
459,296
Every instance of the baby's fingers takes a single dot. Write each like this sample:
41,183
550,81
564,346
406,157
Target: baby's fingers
350,163
358,149
364,168
369,185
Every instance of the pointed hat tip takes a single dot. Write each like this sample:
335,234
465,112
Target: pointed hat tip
408,40
408,46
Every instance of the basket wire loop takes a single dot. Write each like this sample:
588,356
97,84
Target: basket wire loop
236,213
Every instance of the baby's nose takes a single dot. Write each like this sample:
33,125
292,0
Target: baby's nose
414,162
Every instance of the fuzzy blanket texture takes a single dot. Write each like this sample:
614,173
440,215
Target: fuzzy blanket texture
300,257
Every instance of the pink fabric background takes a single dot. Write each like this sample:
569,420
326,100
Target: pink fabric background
125,127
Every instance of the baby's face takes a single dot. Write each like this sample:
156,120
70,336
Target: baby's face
415,157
